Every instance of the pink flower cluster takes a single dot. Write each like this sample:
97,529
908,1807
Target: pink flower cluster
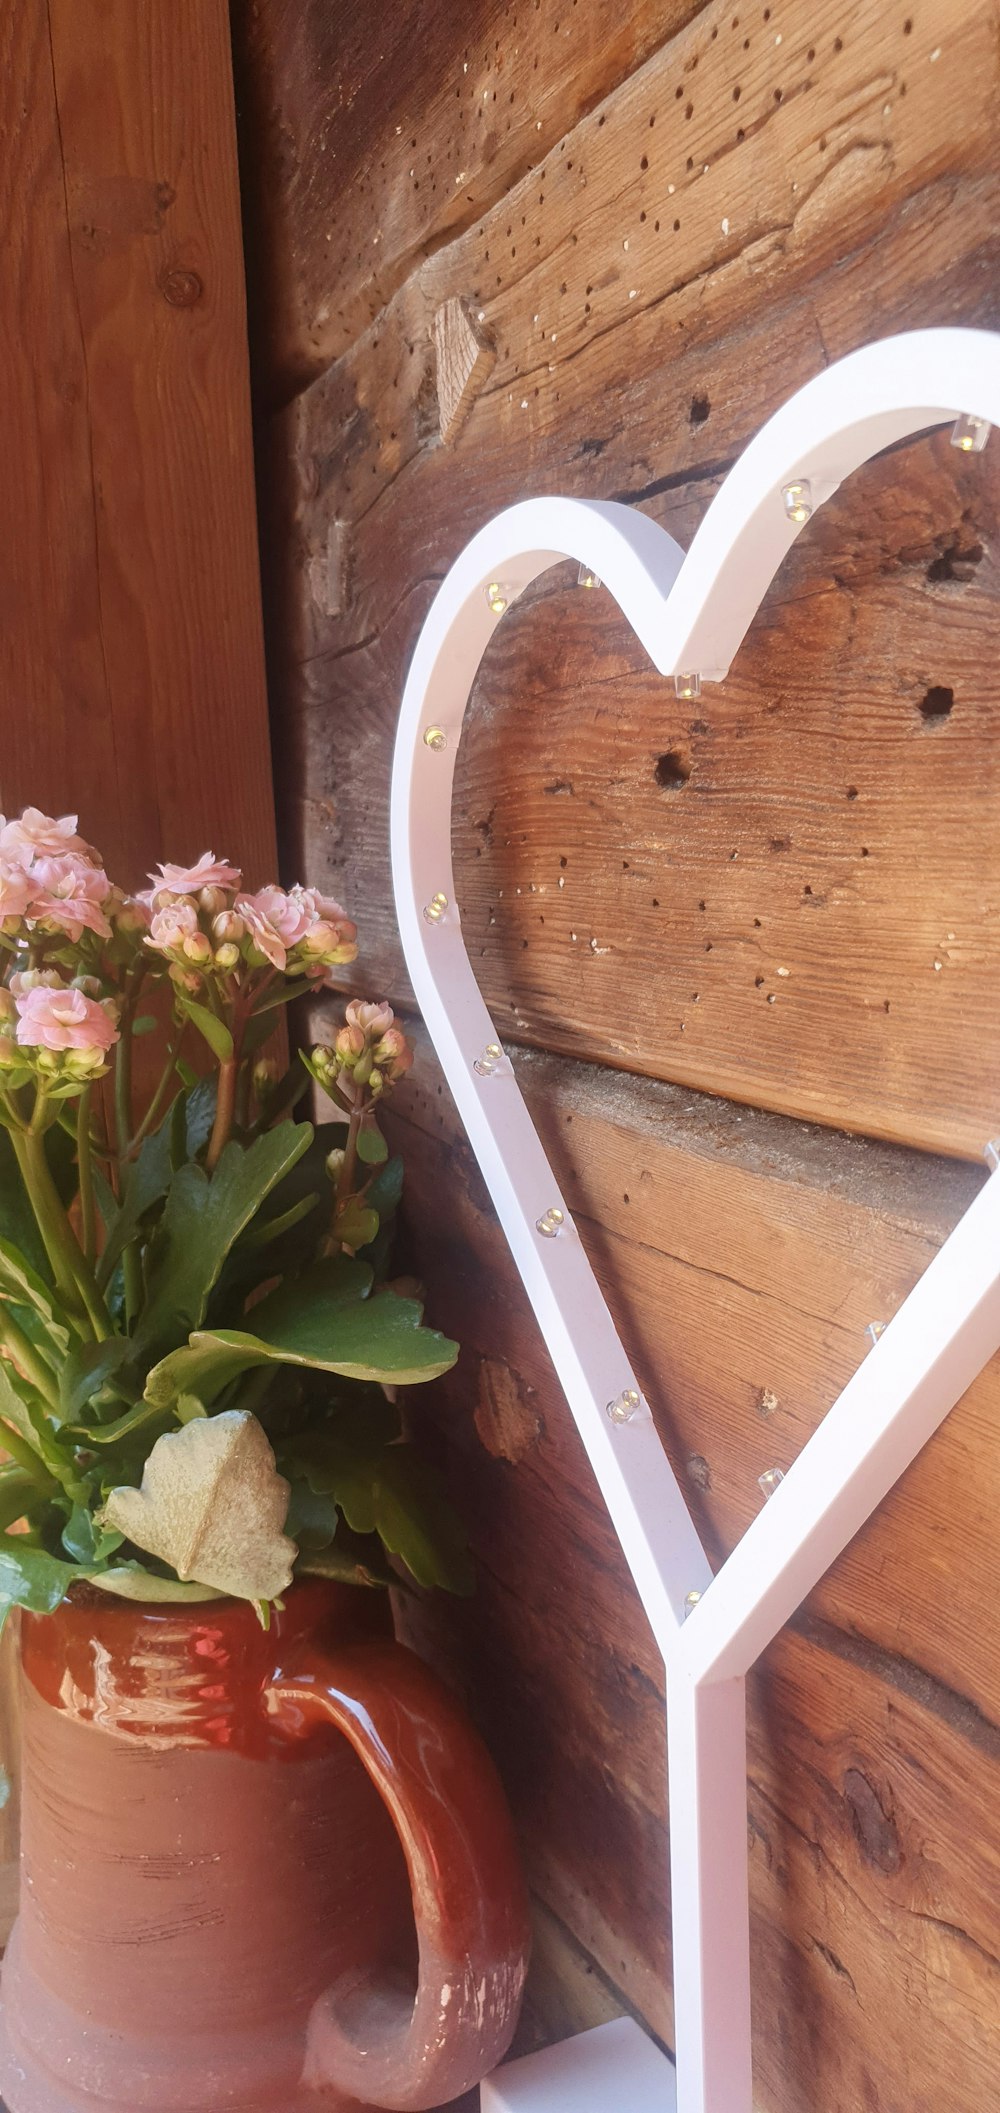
201,921
64,1026
370,1050
50,879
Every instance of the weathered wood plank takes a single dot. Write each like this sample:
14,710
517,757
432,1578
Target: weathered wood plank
365,154
784,892
870,607
132,636
743,1257
665,222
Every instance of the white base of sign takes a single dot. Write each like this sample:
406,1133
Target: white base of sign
613,2069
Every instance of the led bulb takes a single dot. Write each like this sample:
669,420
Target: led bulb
435,737
435,909
496,597
624,1407
991,1154
487,1063
586,578
687,685
550,1223
797,499
770,1480
874,1330
691,1600
970,434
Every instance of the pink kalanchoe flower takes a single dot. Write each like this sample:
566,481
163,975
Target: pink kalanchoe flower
15,892
275,922
63,1019
210,872
37,835
67,896
374,1017
171,926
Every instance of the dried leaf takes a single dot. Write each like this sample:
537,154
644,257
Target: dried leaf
212,1504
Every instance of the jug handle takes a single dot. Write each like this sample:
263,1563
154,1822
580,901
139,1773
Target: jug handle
469,1901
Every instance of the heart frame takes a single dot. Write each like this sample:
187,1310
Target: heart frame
691,613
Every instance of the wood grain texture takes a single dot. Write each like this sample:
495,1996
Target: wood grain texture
131,635
767,189
829,761
365,154
743,1257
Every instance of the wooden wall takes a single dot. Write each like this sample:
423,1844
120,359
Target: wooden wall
131,659
745,951
131,662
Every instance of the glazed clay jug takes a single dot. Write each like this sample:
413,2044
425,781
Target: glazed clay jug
272,1872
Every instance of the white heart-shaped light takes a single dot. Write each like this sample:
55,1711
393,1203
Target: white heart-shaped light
691,613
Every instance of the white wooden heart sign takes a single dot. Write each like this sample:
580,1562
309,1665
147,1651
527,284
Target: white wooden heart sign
691,614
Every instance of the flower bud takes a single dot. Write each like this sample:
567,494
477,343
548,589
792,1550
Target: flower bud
227,956
8,1011
334,1162
228,927
350,1044
185,979
213,900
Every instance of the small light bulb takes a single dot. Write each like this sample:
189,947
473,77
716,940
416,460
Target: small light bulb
797,499
586,578
497,598
991,1154
435,737
435,909
687,685
487,1063
551,1222
970,434
770,1480
874,1330
691,1600
624,1406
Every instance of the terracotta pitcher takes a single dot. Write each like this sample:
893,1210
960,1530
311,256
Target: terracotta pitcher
259,1871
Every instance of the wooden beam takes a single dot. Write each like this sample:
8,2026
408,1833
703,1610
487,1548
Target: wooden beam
132,635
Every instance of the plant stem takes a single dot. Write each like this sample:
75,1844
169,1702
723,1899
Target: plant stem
225,1108
157,1100
73,1275
26,1457
85,1168
348,1172
131,1263
29,1362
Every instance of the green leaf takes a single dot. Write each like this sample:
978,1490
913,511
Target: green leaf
134,1581
85,1540
416,1522
202,1218
144,1023
312,1518
23,1409
378,1339
372,1147
351,1561
21,1283
386,1488
187,1408
206,1364
85,1371
385,1188
18,1494
31,1578
265,1230
354,1223
215,1031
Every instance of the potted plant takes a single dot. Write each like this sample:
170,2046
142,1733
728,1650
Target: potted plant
235,1781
